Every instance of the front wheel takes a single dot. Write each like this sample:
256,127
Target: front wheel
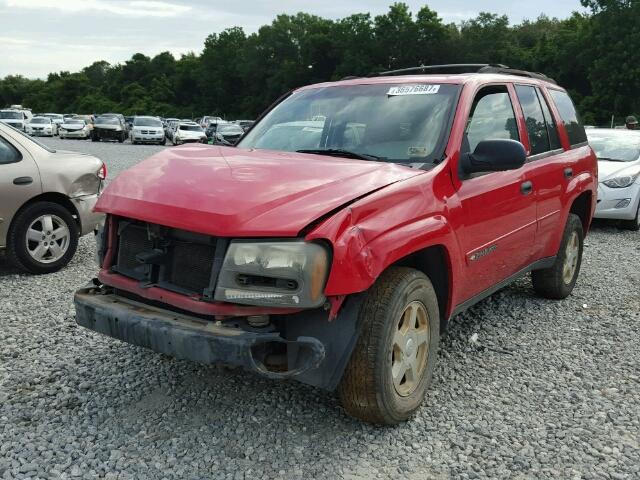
42,238
121,138
392,364
634,224
557,281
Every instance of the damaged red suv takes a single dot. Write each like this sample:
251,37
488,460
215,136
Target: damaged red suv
356,218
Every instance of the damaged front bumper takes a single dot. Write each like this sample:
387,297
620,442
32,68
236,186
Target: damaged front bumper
193,338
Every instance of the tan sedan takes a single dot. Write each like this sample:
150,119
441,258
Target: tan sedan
46,201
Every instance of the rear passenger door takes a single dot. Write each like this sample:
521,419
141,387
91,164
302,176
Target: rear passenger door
498,208
548,166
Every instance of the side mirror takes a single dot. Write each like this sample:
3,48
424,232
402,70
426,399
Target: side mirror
494,156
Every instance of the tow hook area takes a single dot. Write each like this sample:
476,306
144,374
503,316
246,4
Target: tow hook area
282,358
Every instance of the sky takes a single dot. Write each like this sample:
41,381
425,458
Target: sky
42,36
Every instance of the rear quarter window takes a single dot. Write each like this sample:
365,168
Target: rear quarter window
569,117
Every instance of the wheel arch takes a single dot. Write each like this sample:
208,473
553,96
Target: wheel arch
53,197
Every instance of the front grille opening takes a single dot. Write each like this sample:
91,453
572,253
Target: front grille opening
173,259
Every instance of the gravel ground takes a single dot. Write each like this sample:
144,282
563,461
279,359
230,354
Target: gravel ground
549,390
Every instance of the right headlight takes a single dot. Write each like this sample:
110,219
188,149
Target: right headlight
274,273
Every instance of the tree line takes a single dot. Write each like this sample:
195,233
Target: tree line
595,55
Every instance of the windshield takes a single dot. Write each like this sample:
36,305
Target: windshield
11,115
230,129
74,120
397,123
147,122
32,140
619,148
191,128
40,120
108,120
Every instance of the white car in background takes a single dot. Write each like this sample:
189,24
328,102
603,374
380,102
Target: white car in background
147,130
74,128
42,126
188,132
57,118
618,153
15,118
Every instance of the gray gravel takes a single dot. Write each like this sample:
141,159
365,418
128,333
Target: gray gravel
548,390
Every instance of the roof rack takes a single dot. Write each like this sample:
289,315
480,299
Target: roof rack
457,68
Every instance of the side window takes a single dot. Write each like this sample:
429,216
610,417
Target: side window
552,128
569,117
534,119
491,118
8,153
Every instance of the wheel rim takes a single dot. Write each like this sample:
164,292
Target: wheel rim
410,348
571,258
48,238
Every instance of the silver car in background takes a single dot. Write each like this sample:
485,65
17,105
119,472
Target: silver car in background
618,153
147,130
41,126
46,201
15,117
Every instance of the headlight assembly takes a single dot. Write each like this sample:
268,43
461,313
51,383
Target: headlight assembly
274,273
621,182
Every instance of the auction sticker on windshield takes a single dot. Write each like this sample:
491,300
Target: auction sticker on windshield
413,90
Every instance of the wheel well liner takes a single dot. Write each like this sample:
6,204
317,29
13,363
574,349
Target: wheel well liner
581,206
434,263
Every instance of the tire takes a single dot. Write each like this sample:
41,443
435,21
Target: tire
163,142
557,281
95,138
18,248
633,225
367,389
121,138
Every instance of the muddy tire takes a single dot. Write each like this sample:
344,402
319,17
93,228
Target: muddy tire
43,238
392,364
557,281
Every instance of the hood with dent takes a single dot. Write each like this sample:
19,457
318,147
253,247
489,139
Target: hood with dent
228,192
608,169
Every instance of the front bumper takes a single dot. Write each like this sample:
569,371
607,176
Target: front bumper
191,338
88,218
610,198
144,138
74,134
107,134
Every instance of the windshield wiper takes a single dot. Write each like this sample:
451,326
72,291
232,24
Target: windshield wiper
338,152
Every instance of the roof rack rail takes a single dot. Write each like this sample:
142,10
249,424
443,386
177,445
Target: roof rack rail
457,68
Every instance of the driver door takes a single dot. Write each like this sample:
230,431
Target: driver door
499,211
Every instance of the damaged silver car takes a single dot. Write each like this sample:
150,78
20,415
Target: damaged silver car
46,201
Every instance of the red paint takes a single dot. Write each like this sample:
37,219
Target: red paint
487,228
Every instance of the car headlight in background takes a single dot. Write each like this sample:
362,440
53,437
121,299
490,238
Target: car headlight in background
274,273
622,181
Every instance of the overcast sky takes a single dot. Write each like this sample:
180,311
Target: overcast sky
42,36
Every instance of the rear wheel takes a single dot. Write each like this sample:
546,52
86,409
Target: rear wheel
557,281
392,364
42,238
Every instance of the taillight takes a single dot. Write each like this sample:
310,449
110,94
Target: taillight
102,173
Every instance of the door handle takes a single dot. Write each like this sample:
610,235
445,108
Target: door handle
23,181
568,172
526,187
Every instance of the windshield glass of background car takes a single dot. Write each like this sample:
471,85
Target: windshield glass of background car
147,122
622,148
191,128
386,120
11,115
40,120
230,129
108,120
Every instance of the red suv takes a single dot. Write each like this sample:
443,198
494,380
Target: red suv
356,218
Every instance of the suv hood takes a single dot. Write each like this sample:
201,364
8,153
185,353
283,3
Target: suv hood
225,191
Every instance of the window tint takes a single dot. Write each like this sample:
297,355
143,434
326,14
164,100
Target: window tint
569,116
491,118
8,153
552,128
534,119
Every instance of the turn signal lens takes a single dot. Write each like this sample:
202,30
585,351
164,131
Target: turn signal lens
102,173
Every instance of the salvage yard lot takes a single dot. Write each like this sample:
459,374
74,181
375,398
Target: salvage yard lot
550,389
